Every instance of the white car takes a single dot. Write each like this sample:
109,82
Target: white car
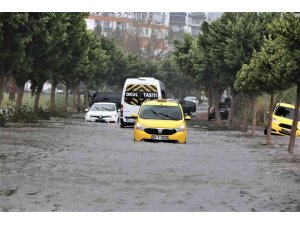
103,112
192,99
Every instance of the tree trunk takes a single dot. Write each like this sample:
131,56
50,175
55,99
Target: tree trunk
86,98
74,98
12,88
1,88
66,96
254,109
234,99
217,107
20,96
36,101
246,114
78,99
295,122
265,108
52,97
210,100
270,116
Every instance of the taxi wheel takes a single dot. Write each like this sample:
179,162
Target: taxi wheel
265,130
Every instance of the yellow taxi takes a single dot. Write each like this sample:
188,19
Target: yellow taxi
282,119
161,120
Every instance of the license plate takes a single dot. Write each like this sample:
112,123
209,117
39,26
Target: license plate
159,137
131,120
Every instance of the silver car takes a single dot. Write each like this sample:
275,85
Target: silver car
192,99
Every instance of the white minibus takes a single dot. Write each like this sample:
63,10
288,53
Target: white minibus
135,92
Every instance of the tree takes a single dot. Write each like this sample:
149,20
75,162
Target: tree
14,37
286,31
48,34
77,47
116,63
264,73
175,81
100,61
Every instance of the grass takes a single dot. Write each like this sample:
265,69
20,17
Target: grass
44,100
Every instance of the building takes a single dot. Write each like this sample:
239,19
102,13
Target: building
177,22
151,29
211,16
145,29
185,22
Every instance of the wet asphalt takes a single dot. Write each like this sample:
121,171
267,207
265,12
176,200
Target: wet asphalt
73,166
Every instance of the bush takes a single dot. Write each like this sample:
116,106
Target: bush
42,114
62,112
5,115
24,115
3,119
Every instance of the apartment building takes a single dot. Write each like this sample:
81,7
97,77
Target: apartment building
177,22
148,28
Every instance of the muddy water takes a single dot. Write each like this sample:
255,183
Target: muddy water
70,165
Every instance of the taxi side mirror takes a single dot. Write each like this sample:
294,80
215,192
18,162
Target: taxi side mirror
133,115
187,118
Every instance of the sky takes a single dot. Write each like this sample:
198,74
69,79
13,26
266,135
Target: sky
150,5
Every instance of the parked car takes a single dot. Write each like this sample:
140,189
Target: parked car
192,99
160,120
114,97
57,91
282,119
103,112
188,106
224,111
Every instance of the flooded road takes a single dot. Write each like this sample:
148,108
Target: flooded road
71,165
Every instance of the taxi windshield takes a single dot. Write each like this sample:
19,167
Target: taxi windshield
286,112
161,112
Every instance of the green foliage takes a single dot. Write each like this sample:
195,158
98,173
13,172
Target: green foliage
61,112
49,39
26,114
276,66
42,114
287,96
286,30
174,80
116,67
3,118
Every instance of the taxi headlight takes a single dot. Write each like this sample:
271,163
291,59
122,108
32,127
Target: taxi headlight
180,128
139,126
275,121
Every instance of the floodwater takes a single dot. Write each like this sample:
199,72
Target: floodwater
71,165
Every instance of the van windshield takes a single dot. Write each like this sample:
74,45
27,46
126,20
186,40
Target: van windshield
286,112
161,112
136,94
